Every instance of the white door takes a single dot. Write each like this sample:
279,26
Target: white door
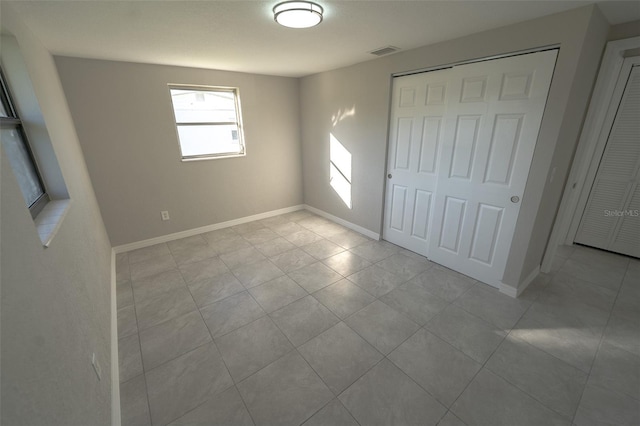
493,118
416,127
611,219
492,115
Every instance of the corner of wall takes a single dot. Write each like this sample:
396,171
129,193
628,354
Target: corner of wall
56,301
116,419
592,41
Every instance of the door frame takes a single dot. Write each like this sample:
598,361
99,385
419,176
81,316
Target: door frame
590,149
474,60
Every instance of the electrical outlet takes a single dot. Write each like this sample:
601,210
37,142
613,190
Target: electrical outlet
165,215
96,366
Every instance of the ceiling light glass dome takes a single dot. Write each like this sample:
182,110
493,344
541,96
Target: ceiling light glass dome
298,14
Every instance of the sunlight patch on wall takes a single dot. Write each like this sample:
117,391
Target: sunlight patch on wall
340,170
342,114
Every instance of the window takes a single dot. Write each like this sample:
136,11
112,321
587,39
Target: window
208,121
16,148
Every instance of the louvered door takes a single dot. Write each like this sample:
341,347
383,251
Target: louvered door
611,219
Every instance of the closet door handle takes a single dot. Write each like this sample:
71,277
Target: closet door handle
389,176
515,199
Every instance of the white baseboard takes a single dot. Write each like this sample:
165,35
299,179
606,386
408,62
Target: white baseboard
508,290
515,292
115,368
336,219
195,231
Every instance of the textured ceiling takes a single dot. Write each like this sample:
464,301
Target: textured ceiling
242,36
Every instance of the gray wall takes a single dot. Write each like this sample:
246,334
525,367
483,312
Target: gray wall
55,308
366,88
626,30
125,124
588,55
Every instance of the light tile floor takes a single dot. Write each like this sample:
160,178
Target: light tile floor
296,320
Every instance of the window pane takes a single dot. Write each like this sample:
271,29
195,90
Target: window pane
208,140
200,106
3,111
23,167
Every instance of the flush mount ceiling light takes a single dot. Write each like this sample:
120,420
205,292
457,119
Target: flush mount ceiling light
298,14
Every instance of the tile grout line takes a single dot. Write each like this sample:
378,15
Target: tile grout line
587,373
144,373
604,331
198,309
483,365
244,403
372,263
387,355
211,342
383,355
423,327
535,347
533,396
296,348
266,314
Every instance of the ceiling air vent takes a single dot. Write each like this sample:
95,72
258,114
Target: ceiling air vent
384,50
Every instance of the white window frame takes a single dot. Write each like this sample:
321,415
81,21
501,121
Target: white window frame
13,121
236,96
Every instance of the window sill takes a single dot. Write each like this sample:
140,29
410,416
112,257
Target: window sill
50,218
212,157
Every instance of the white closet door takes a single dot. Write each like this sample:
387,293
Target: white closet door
494,111
461,144
418,105
611,217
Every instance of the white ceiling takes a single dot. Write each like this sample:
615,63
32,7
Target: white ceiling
241,35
